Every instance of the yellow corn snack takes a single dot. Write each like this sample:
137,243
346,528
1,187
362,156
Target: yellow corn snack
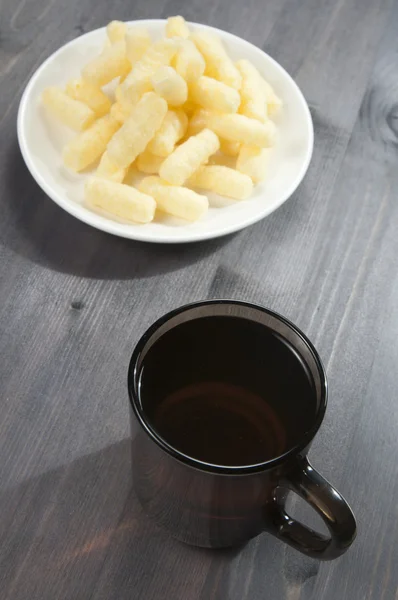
187,158
70,112
189,62
222,180
229,148
108,170
149,163
218,63
87,147
145,119
254,98
111,63
138,41
116,31
86,92
175,200
274,103
170,85
122,201
238,128
177,27
139,79
214,95
253,162
171,131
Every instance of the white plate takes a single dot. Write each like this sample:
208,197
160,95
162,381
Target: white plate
41,140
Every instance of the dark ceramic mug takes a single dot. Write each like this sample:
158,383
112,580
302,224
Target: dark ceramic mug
217,506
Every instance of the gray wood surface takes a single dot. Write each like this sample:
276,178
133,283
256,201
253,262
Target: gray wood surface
74,301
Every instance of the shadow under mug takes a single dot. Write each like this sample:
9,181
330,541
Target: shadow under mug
218,506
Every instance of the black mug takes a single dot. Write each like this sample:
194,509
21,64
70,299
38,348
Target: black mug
210,499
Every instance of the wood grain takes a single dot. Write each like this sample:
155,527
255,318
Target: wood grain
74,301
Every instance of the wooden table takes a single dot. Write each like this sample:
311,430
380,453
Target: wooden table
74,302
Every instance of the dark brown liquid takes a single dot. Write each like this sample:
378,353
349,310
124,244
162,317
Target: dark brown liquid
227,391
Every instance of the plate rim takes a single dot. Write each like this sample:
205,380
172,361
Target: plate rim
112,227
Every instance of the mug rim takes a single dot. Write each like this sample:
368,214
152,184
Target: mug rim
134,395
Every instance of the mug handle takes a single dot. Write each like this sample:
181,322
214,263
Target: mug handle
328,503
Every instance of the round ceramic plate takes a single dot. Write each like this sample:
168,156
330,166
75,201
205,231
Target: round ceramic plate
41,140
